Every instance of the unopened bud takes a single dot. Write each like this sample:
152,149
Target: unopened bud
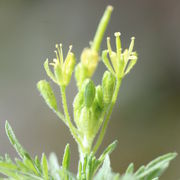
89,59
89,93
108,85
99,96
47,93
68,68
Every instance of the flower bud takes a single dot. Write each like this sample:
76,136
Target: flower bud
99,96
89,59
89,93
47,93
108,85
68,68
80,75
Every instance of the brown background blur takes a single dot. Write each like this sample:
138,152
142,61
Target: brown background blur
146,119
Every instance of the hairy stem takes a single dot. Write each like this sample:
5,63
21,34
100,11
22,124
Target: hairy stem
105,124
73,130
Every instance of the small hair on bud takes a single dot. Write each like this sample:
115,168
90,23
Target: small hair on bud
117,34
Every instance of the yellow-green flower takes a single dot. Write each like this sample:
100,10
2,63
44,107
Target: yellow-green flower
62,68
122,62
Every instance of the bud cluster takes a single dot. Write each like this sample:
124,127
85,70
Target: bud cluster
85,69
90,105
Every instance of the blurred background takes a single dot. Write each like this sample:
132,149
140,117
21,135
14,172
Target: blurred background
146,119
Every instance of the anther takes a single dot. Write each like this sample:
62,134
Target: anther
116,34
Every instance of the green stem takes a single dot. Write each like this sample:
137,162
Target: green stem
101,28
61,116
68,122
104,127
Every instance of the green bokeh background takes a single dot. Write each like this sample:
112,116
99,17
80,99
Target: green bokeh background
146,119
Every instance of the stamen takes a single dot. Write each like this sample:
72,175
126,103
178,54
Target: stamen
117,34
61,54
131,46
118,43
55,60
109,46
57,55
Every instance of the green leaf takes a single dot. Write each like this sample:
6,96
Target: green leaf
30,165
66,161
44,166
130,169
156,167
66,158
105,172
54,166
106,152
12,138
8,169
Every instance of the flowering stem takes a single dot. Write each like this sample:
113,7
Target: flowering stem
105,124
101,28
68,122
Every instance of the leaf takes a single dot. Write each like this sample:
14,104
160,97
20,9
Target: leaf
54,166
31,166
20,150
156,167
44,166
130,169
66,158
12,138
66,161
105,173
107,151
128,177
8,169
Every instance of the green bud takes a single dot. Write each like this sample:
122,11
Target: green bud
108,85
80,74
68,67
89,59
99,96
89,93
47,93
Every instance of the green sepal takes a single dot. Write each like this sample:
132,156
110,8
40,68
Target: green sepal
48,71
58,74
108,85
99,96
89,93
